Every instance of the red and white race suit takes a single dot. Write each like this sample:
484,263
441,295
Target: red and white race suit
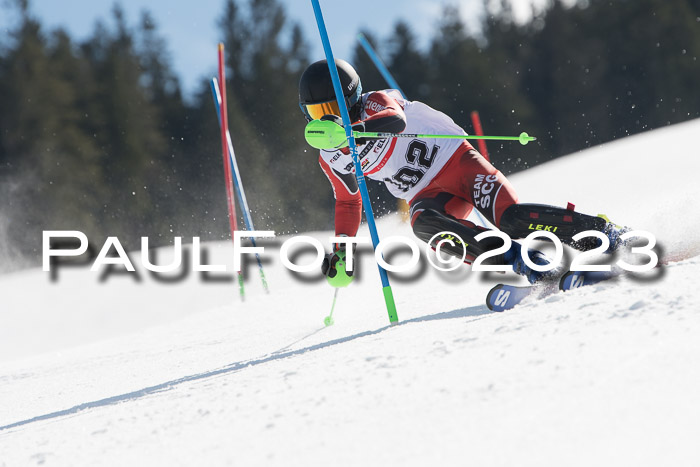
448,174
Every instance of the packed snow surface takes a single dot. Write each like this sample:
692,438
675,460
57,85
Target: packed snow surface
118,369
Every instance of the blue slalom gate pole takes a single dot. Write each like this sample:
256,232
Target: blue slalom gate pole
379,64
386,74
237,181
359,174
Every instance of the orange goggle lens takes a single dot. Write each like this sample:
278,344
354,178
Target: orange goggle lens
317,111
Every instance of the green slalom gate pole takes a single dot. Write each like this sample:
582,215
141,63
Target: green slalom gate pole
350,139
326,134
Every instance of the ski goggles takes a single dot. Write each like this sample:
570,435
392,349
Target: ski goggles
316,111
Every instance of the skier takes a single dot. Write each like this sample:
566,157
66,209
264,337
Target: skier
442,179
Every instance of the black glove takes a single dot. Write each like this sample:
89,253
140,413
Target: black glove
328,265
360,126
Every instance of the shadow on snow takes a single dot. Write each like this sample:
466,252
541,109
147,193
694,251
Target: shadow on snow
474,311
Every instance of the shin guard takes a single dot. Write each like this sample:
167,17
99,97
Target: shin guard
520,220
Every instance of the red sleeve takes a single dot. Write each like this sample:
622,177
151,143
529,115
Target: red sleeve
384,114
348,201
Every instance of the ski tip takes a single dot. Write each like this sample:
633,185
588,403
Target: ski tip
489,296
564,281
503,297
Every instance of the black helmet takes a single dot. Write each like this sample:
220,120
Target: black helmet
316,94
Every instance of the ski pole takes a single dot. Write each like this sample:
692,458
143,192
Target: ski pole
326,134
328,320
476,121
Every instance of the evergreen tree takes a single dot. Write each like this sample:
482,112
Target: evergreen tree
466,75
408,64
52,178
602,71
98,137
265,56
128,130
361,61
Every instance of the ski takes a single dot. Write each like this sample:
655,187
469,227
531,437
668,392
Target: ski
503,297
575,279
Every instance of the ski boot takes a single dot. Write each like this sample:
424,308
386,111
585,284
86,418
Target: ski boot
514,257
614,232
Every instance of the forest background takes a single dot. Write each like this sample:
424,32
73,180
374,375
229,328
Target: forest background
96,135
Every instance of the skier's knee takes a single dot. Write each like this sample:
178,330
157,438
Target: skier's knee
427,223
432,226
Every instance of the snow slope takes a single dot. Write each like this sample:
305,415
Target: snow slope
119,371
